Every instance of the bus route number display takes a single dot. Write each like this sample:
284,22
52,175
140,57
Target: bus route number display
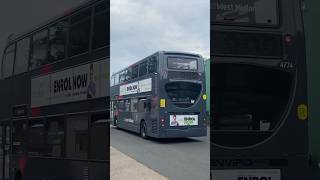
251,12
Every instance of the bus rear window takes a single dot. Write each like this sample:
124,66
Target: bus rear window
182,63
250,12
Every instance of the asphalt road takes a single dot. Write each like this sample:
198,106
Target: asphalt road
177,159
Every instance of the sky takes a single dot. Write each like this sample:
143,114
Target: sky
18,16
139,28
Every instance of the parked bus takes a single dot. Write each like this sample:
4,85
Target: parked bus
161,96
259,100
54,98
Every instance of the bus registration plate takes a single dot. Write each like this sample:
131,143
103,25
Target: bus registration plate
183,120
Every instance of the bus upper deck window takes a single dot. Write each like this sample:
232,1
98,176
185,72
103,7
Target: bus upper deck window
122,76
101,30
143,69
116,79
129,74
57,41
152,65
79,33
22,56
112,81
135,70
8,60
39,49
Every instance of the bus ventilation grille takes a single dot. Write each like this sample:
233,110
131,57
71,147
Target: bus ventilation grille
154,126
268,45
86,173
183,75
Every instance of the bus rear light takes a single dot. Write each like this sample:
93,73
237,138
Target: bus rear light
22,164
204,97
46,69
162,120
35,112
288,39
154,99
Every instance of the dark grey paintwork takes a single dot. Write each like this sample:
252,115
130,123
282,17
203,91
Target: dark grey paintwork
16,90
285,148
152,119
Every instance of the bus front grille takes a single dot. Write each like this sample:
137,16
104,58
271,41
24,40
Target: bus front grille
183,75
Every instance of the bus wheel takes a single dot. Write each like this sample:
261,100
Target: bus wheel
115,122
143,130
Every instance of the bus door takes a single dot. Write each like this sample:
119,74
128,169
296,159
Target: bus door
99,147
4,151
125,114
144,109
135,116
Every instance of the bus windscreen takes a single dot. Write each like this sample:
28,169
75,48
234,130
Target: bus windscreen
249,12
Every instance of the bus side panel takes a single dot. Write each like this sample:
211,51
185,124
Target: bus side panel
21,90
6,96
41,168
99,171
122,118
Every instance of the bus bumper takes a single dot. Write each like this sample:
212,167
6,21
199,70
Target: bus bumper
180,133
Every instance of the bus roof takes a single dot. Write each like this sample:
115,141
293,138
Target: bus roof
180,53
164,53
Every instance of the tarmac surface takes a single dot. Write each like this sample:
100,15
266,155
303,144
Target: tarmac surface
176,159
124,167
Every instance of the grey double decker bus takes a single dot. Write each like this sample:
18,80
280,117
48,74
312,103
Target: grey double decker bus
259,128
161,96
54,99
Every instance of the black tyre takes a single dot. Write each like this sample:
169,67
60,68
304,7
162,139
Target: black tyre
143,130
115,123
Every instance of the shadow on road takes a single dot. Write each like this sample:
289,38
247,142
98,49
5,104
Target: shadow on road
159,140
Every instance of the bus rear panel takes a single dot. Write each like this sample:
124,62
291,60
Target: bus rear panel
168,99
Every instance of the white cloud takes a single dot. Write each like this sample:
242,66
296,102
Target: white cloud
142,27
